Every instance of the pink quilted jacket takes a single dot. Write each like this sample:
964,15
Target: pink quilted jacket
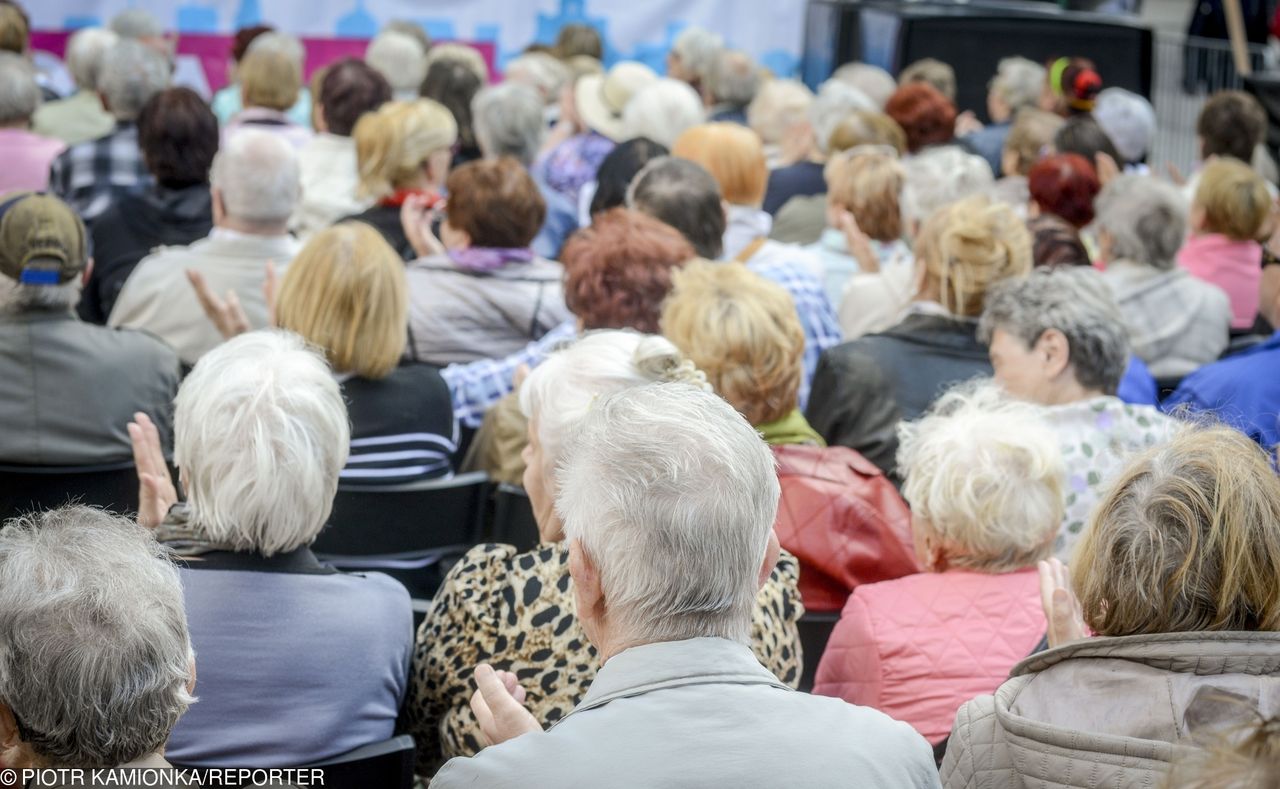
843,520
917,648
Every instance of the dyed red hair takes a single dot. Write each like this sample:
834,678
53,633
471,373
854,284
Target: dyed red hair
617,272
927,117
1065,185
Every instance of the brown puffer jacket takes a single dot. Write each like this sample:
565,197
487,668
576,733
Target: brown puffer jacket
1109,712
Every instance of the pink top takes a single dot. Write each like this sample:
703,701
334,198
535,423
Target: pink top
918,647
1234,266
26,158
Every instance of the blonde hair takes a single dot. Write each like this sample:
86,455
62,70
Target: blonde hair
466,56
1186,540
345,293
1031,131
394,141
1234,199
778,104
269,78
985,475
869,184
969,246
867,127
742,331
734,157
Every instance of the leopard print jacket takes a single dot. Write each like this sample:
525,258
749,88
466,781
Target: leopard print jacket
516,612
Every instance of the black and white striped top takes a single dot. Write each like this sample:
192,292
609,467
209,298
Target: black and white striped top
402,427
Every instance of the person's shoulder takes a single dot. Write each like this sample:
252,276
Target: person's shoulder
834,719
142,349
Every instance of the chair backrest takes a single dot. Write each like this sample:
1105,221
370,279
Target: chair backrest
387,764
815,630
390,519
26,489
513,521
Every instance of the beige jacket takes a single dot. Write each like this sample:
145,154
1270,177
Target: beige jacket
1108,712
158,298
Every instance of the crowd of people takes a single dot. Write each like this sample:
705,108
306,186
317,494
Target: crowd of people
979,385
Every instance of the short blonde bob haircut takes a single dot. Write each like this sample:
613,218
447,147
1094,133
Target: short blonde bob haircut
345,293
732,154
1234,199
868,183
968,246
394,142
867,127
269,79
1186,540
741,331
984,474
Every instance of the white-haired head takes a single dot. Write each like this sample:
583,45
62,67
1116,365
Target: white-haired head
281,43
19,93
874,82
1129,120
540,71
131,74
95,659
692,53
779,105
400,59
734,79
256,174
260,434
85,51
985,480
940,176
671,494
1143,219
560,390
136,23
508,121
834,102
662,110
1016,85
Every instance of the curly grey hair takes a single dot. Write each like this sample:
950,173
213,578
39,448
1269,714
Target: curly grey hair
95,658
1145,217
1074,301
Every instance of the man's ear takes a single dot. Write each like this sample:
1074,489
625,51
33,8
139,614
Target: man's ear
771,553
586,579
1053,344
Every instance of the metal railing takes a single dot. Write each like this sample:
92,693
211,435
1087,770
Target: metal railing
1187,71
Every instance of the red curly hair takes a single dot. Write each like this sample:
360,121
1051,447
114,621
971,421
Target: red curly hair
1065,185
617,272
927,117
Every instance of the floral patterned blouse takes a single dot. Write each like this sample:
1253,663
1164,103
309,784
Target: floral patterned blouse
516,612
1098,436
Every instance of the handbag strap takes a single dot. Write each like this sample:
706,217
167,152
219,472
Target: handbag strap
750,250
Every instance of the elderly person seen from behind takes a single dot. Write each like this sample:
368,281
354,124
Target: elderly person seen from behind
984,480
96,665
1176,577
730,87
80,117
401,60
254,182
669,497
261,434
1057,338
26,155
509,121
1176,322
1016,86
662,111
270,82
777,115
518,611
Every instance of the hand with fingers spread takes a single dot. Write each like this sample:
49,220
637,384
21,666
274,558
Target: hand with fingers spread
226,314
1061,606
416,216
156,493
859,244
499,705
967,123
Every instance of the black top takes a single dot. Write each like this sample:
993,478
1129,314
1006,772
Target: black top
386,220
863,388
402,427
130,229
798,180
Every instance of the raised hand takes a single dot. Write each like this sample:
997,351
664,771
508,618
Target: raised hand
499,705
1061,606
416,216
156,493
227,316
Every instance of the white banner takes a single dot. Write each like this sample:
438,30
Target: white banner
771,30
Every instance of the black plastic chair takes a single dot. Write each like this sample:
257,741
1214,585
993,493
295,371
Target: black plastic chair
513,521
413,532
815,629
25,489
387,765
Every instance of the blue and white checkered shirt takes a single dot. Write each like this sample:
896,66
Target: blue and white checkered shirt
476,386
89,176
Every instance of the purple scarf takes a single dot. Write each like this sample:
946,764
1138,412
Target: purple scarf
488,258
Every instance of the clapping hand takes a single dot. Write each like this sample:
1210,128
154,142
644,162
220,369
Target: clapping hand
858,242
1061,606
416,216
227,314
499,705
156,493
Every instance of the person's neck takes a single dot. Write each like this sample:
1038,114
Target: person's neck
267,229
1071,391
